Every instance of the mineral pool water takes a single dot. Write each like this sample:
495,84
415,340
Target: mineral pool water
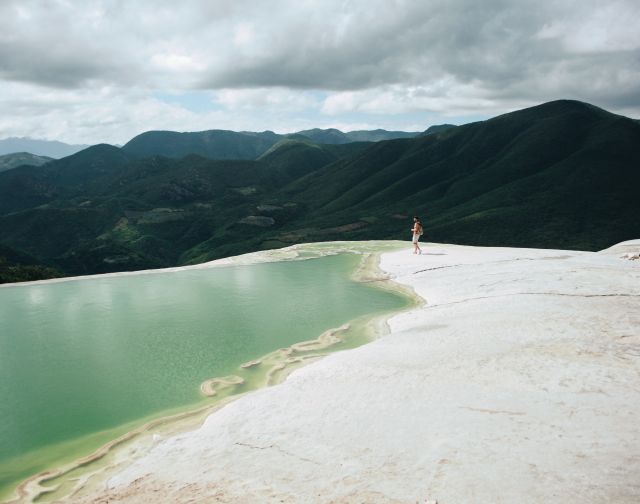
82,358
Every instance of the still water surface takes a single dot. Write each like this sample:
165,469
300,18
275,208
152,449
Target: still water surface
82,356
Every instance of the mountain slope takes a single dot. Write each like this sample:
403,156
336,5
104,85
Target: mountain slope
300,157
223,144
98,211
214,144
560,175
28,186
335,136
437,128
378,135
553,175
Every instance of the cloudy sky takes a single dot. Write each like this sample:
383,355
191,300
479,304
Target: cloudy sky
90,71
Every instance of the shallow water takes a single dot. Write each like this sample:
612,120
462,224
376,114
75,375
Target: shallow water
82,357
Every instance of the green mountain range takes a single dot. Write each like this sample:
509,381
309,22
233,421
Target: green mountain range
215,144
224,144
564,174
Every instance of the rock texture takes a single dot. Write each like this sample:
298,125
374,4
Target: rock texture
518,380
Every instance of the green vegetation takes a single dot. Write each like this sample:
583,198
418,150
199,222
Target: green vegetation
561,175
20,273
335,136
216,144
437,128
222,144
19,267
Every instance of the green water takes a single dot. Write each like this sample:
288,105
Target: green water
85,356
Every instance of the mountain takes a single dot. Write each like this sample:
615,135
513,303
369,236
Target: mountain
47,148
223,144
8,161
335,136
437,128
378,135
563,174
214,144
298,157
86,169
28,186
560,175
326,136
101,210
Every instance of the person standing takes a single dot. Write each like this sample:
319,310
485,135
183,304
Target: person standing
417,233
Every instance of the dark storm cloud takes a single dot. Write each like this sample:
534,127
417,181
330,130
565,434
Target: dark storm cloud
557,48
50,44
380,43
53,70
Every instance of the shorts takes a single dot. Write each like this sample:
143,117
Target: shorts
416,237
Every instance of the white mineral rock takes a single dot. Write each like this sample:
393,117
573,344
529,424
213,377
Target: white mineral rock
518,381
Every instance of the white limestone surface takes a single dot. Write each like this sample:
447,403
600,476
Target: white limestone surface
518,381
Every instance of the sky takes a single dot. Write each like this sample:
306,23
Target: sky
91,71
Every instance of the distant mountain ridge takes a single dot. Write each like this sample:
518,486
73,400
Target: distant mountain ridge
49,148
9,161
212,144
225,144
335,136
563,174
437,128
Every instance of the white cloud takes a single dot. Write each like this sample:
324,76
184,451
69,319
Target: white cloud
114,114
446,98
244,35
605,28
175,62
88,71
269,99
